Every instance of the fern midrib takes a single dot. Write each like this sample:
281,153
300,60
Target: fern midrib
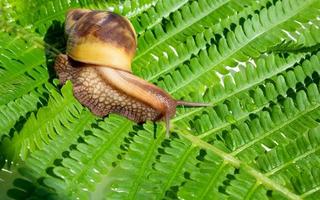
164,15
11,77
7,44
134,188
104,147
178,30
195,51
200,143
270,183
213,177
238,119
25,97
242,89
64,104
177,168
37,84
142,9
276,128
227,124
284,165
310,192
64,142
240,164
231,53
252,189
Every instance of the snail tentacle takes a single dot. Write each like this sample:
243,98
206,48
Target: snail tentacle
193,104
100,49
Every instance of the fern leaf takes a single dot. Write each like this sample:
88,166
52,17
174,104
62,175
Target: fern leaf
183,49
201,71
41,17
22,68
245,90
135,176
154,15
278,162
301,40
153,41
18,109
49,121
92,141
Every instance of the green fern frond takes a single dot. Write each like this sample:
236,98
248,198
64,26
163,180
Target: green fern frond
243,88
154,15
155,41
18,109
23,80
281,15
201,69
135,175
22,67
49,121
301,41
186,47
90,147
99,151
41,17
41,163
276,128
284,163
307,183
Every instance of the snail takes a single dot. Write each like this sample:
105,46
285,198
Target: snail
100,49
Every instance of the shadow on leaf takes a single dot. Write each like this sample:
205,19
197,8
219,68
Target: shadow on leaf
55,41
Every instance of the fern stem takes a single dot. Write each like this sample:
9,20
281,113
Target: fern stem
314,190
198,142
283,166
176,170
251,191
297,117
237,163
292,161
142,169
212,181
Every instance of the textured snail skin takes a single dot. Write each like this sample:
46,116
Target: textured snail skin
127,95
101,46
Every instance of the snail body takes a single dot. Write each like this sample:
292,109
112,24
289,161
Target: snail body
100,49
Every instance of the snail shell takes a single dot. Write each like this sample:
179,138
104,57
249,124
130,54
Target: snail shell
100,38
100,49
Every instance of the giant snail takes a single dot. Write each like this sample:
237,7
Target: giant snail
100,49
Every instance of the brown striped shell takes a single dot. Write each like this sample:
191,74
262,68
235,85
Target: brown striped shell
100,38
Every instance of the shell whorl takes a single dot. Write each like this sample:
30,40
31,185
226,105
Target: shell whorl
100,38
